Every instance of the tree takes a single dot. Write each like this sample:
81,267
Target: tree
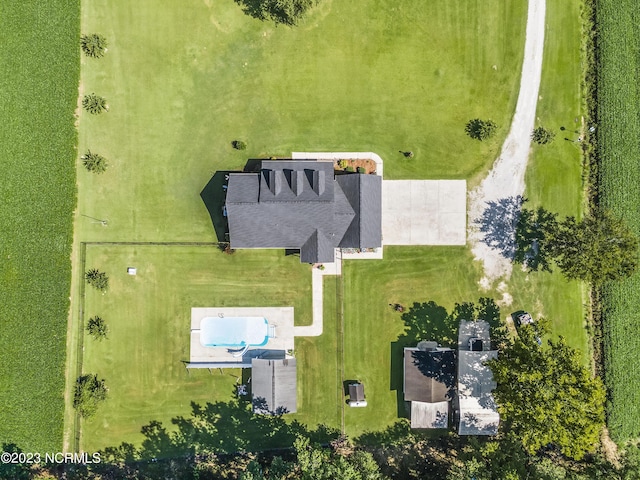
88,394
542,136
288,12
93,45
93,162
97,328
94,104
534,238
481,129
97,279
597,249
546,396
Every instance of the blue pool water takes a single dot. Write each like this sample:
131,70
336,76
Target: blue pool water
234,331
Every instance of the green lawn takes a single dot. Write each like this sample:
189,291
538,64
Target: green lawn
554,173
184,80
149,319
39,74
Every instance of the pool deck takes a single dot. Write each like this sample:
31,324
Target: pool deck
280,317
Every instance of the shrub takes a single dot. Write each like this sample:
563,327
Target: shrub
349,169
97,279
97,328
239,145
542,136
88,394
93,45
94,104
480,129
343,164
93,162
361,170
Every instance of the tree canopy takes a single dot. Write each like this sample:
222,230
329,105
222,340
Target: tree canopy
93,45
94,104
93,162
97,328
89,392
97,279
534,238
596,249
287,12
546,396
317,463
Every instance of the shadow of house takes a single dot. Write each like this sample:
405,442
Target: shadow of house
214,196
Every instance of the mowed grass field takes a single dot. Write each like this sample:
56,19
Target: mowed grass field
184,80
449,275
39,74
149,320
619,149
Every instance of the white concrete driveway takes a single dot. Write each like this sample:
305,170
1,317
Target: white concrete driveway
424,212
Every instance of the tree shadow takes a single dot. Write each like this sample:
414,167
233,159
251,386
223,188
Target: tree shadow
401,430
217,428
214,196
441,366
499,222
429,321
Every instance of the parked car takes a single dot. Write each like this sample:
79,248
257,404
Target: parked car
524,318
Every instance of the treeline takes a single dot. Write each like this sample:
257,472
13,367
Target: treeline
449,457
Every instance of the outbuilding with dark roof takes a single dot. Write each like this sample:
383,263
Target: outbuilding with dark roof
274,385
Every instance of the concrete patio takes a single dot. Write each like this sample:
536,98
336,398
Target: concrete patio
279,317
424,212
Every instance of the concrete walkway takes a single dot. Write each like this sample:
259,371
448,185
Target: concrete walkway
335,268
317,275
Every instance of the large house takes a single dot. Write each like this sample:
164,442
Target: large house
477,409
304,205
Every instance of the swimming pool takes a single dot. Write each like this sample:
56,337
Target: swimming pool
234,331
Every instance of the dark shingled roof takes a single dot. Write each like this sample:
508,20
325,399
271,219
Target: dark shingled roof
299,204
273,385
429,376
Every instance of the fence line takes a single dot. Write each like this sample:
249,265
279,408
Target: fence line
340,352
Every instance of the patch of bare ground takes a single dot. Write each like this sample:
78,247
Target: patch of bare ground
609,448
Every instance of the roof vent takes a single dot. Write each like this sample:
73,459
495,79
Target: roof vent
318,181
297,181
274,181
